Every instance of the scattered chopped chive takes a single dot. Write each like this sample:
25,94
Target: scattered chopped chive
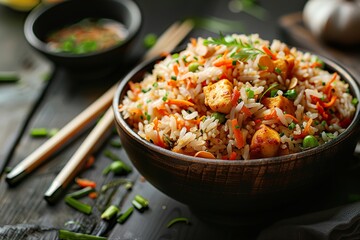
52,132
316,122
290,94
67,235
281,134
110,212
38,132
165,97
137,205
273,93
175,56
274,85
150,40
234,62
291,126
9,76
330,135
117,167
115,158
81,207
278,70
124,216
115,143
354,101
219,116
173,78
145,90
177,220
143,201
310,142
193,67
155,84
114,183
81,193
323,123
250,93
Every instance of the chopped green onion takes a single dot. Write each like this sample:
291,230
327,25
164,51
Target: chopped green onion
150,40
111,211
81,207
175,56
173,78
278,70
310,142
165,97
323,123
261,67
67,235
274,85
143,201
290,94
354,101
114,183
81,193
250,93
124,216
52,132
292,125
155,84
117,167
38,132
177,220
115,143
115,158
273,93
193,67
219,116
137,205
9,76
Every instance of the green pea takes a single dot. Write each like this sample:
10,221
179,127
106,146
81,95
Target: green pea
310,142
219,116
193,67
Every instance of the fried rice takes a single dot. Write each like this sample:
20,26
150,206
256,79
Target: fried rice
239,97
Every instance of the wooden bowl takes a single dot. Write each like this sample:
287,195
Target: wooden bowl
45,19
235,186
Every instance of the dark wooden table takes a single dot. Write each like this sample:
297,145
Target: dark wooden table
48,96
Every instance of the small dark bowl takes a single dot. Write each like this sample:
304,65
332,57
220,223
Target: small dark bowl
220,186
45,19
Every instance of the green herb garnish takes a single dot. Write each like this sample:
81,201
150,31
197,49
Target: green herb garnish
274,85
290,94
110,212
150,40
245,51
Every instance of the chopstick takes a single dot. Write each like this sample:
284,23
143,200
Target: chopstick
171,38
166,42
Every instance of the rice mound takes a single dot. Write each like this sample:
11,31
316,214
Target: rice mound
239,97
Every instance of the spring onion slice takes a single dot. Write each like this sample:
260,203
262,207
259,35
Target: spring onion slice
111,211
124,216
81,193
143,201
9,76
177,220
81,207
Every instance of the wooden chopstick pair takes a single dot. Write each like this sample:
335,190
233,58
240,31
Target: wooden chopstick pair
166,43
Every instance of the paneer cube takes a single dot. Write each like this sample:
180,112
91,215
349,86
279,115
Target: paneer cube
264,143
281,102
218,96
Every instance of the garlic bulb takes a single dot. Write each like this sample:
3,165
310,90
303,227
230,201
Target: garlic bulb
336,21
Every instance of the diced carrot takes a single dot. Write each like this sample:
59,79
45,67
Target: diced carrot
204,154
292,117
232,156
239,138
331,102
181,103
90,162
135,87
306,130
223,62
82,182
176,69
193,42
269,52
93,195
246,111
235,97
321,110
172,83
